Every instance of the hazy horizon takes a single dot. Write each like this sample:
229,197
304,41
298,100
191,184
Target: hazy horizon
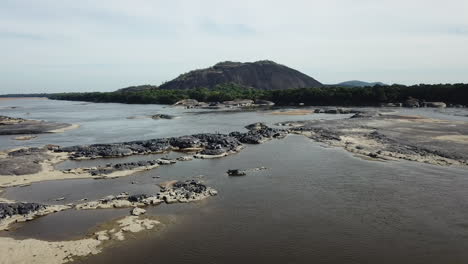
63,46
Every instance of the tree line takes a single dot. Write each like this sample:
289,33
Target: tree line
327,95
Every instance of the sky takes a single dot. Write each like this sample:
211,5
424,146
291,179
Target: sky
104,45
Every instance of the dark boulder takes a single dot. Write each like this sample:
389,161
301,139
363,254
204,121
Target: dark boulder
236,172
10,209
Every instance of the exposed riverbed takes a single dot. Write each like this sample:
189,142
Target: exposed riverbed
313,203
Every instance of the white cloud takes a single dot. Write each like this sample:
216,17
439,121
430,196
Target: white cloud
65,45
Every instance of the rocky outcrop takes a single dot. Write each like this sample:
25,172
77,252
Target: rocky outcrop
411,102
138,88
170,192
434,104
391,137
259,133
186,191
261,102
11,209
162,116
204,144
236,172
335,111
18,126
111,169
11,213
23,161
266,75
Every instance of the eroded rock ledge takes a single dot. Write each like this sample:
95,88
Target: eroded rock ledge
170,192
16,126
372,134
24,166
11,213
391,137
203,144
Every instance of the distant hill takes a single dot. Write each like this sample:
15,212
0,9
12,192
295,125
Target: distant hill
138,88
265,75
356,83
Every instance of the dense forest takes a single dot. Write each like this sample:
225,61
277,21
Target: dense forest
345,96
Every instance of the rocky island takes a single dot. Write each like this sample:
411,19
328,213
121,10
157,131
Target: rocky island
17,126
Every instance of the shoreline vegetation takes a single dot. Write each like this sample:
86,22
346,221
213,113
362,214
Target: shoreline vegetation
341,96
451,94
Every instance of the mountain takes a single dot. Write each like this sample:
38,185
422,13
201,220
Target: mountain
265,75
138,88
356,83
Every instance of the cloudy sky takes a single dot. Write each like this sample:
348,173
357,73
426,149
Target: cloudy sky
103,45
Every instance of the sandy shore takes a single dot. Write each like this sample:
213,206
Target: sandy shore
45,252
61,130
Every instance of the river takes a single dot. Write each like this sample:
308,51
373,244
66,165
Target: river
314,204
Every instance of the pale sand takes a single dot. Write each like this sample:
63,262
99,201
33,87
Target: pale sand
4,200
27,251
293,112
455,138
25,137
61,130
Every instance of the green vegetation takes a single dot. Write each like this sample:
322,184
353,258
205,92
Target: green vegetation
358,96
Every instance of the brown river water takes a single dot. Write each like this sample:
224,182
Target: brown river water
314,204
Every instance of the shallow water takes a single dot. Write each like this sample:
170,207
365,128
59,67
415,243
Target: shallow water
314,204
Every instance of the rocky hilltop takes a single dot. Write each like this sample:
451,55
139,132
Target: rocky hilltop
356,83
266,75
138,88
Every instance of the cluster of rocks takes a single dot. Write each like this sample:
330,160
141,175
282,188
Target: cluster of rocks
259,133
239,172
204,144
162,116
6,120
185,191
122,200
239,103
11,209
17,126
236,172
335,111
170,192
111,168
385,136
414,103
15,212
